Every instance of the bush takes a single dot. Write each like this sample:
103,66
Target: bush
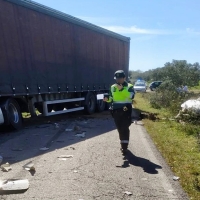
167,96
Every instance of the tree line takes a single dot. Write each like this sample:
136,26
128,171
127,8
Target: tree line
179,72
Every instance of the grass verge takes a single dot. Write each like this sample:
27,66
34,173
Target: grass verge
178,143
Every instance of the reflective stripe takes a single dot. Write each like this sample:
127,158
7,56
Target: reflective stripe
132,94
122,101
124,141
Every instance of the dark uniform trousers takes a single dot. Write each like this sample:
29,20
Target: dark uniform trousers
123,121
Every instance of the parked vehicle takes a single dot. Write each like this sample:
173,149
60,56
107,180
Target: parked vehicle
53,61
140,86
154,85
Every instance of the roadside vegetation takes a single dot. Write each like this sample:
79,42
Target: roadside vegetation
176,136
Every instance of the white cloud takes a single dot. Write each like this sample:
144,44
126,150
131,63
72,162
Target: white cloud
136,30
192,31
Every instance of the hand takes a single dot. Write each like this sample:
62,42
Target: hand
119,86
105,99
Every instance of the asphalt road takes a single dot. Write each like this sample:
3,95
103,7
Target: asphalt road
97,170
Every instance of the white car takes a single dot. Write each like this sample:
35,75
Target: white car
140,87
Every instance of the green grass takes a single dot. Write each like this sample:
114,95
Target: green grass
177,143
195,87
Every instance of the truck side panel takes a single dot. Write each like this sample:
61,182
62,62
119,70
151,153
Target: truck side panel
40,53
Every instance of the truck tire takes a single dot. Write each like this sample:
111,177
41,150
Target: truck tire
100,105
90,103
14,114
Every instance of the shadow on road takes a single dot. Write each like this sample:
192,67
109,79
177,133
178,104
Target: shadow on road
16,146
148,166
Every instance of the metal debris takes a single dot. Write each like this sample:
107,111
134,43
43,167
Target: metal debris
128,193
176,178
56,125
29,166
14,184
64,157
82,135
44,149
6,167
68,129
144,179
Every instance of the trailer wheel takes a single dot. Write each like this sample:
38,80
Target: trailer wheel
14,114
90,103
101,105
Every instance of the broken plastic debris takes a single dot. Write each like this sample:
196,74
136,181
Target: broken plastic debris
128,193
64,157
14,184
29,166
68,129
56,124
1,159
144,179
44,149
80,135
75,171
6,167
176,178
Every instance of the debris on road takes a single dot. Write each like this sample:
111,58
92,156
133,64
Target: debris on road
128,193
176,178
14,184
82,135
56,125
29,166
44,149
75,171
64,157
6,167
72,148
68,129
144,179
1,159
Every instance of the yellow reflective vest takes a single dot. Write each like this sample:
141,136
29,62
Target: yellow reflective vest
119,98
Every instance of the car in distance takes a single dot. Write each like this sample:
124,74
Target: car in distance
140,86
154,85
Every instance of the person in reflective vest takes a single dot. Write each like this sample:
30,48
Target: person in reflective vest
121,96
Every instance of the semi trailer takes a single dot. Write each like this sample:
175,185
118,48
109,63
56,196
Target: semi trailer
50,60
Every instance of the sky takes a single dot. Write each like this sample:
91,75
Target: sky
160,30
